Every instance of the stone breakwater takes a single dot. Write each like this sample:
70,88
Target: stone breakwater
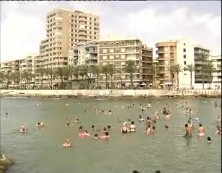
110,93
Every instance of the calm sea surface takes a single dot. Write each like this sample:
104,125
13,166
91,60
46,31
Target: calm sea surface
41,151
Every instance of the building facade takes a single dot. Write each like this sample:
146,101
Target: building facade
84,54
200,74
117,51
216,61
183,53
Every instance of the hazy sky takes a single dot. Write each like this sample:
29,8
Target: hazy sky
23,23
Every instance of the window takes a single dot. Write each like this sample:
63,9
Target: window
111,57
184,50
111,50
104,50
184,56
104,63
185,62
122,63
122,49
104,57
122,56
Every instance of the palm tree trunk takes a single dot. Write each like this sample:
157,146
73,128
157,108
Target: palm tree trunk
203,81
191,80
62,82
106,82
111,81
177,80
41,82
131,80
97,80
121,81
71,81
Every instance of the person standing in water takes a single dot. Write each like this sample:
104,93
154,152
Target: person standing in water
201,130
188,131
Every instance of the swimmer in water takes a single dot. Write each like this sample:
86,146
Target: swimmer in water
209,139
124,128
218,130
132,127
23,129
201,130
140,119
67,143
148,130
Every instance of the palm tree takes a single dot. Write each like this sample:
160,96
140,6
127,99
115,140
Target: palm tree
191,69
111,71
51,75
105,71
26,76
209,68
95,69
203,57
130,67
120,71
60,72
2,77
15,76
69,73
41,72
177,69
7,77
84,71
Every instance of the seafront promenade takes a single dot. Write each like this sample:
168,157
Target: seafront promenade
110,93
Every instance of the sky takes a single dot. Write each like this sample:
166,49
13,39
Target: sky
23,24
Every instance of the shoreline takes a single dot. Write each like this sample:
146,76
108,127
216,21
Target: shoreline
149,93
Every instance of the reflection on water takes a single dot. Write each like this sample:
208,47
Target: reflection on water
40,150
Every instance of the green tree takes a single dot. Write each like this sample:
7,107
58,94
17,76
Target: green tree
130,68
96,69
177,69
191,69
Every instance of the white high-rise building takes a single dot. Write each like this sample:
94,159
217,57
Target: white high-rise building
216,82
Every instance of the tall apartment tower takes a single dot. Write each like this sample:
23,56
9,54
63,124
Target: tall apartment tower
166,57
64,29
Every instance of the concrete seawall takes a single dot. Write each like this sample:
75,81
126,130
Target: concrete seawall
108,93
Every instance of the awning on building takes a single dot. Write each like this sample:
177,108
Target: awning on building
143,84
168,83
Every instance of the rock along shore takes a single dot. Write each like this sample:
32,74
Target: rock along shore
110,93
5,163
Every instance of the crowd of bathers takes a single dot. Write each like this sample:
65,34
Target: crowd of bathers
129,126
